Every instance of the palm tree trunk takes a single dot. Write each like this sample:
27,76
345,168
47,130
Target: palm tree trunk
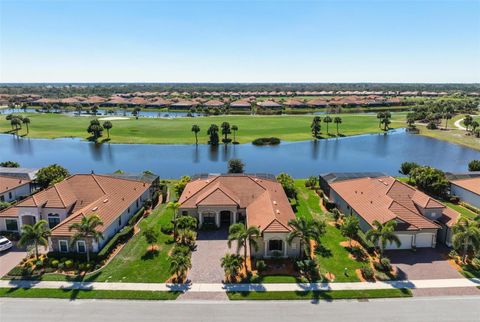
88,252
36,250
465,250
196,138
234,136
337,128
245,255
108,133
28,130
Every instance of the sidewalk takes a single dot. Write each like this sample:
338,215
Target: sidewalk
218,287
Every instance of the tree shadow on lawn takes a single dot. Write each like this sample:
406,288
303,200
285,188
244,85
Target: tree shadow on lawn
150,254
323,251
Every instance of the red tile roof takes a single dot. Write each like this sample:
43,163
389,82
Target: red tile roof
10,183
386,198
265,201
470,184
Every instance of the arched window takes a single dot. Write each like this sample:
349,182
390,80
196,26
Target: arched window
275,244
53,220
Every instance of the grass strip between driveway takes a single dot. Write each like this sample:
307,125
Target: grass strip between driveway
320,295
86,294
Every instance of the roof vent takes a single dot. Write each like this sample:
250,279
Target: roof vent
371,201
278,211
274,202
94,208
123,198
105,201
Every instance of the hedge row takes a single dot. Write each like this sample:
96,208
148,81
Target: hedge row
122,236
470,207
362,239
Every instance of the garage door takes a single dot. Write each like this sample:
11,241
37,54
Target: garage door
423,240
406,241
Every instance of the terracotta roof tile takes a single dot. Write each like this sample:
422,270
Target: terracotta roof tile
471,184
10,183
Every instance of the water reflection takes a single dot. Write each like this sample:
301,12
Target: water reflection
301,159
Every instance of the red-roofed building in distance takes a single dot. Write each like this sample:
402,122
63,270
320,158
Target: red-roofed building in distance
421,220
259,201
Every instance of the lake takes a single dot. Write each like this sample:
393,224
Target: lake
375,152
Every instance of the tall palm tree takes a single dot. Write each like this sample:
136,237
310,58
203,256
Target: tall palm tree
26,121
466,233
447,116
337,120
87,230
382,234
174,206
244,237
107,125
196,129
306,230
36,234
327,119
179,265
315,126
234,129
380,117
231,264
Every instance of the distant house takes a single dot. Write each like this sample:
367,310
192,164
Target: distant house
114,200
269,105
21,173
240,105
183,105
467,189
318,103
293,103
421,220
217,200
214,104
12,188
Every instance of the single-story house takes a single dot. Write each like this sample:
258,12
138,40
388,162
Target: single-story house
240,105
114,200
293,103
214,103
12,188
269,105
20,173
183,105
421,220
468,190
257,201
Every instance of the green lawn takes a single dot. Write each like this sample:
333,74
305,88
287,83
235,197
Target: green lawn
331,256
133,263
319,295
178,130
462,210
87,294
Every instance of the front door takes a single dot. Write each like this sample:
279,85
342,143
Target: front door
225,217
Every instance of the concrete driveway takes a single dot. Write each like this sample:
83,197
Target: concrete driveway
428,263
10,258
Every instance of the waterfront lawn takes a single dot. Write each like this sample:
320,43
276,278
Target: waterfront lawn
133,263
320,295
331,256
86,294
178,130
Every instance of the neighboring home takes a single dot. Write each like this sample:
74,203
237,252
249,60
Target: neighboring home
240,105
269,105
214,103
21,173
183,105
217,200
152,179
467,189
114,200
326,179
12,188
318,102
421,220
293,103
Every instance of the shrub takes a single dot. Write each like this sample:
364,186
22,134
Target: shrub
367,272
276,254
266,141
135,218
387,265
470,207
181,250
167,229
54,263
84,267
68,264
368,245
122,236
453,254
261,266
476,263
454,199
474,165
39,263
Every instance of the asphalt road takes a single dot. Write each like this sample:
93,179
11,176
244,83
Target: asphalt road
411,309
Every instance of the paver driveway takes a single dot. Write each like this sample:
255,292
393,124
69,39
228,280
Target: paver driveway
10,258
211,247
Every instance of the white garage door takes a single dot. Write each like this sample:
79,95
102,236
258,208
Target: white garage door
424,240
406,241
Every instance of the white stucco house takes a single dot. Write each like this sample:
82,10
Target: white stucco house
421,220
12,189
468,190
217,200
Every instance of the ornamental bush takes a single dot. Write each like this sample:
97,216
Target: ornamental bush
367,272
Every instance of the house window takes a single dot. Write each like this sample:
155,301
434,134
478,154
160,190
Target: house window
119,221
275,244
137,203
184,213
2,198
63,246
10,195
53,220
12,224
128,209
81,247
208,218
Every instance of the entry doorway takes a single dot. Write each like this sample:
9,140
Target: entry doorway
225,217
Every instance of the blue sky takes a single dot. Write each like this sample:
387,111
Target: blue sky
240,41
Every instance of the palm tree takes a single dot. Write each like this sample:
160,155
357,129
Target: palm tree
174,206
337,120
107,125
380,117
466,233
244,236
196,129
36,234
78,108
305,230
213,133
382,234
225,131
447,116
151,237
327,119
15,123
474,126
26,121
179,265
87,230
231,263
315,126
349,228
234,129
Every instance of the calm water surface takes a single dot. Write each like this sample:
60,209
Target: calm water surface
376,152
